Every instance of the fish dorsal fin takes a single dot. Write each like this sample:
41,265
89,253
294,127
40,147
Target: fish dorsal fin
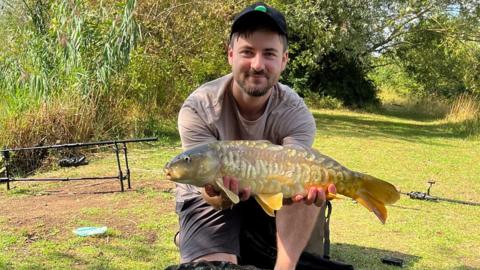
232,196
270,202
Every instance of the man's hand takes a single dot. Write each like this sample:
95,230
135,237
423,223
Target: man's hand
316,195
218,200
232,184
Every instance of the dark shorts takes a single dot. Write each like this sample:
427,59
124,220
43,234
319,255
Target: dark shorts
245,230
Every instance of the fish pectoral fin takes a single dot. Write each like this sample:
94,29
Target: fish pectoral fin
270,202
232,196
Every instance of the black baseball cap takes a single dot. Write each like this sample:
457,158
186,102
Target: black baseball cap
259,13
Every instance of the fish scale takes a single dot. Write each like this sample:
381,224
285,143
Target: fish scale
274,172
263,167
272,161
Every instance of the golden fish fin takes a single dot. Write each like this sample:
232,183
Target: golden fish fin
375,193
331,196
373,205
270,202
232,196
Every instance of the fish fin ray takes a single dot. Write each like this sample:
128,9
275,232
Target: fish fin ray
232,196
375,206
270,202
375,194
331,196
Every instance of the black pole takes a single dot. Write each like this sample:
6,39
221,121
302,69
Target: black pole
6,156
69,145
120,173
126,164
457,201
20,179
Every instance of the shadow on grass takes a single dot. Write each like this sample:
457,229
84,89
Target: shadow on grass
403,112
369,258
365,127
464,267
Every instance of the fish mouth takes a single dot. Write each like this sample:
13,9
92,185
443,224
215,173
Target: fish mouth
168,173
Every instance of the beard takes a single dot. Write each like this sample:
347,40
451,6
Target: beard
254,90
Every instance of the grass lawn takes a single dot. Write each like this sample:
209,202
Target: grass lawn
37,219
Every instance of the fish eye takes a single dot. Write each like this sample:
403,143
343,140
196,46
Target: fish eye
187,159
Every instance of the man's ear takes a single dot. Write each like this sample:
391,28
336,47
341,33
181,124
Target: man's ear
284,60
230,55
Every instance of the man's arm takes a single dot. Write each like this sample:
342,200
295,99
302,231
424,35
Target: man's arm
295,222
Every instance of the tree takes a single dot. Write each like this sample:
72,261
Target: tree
354,32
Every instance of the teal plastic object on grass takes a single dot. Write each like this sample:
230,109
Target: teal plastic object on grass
89,231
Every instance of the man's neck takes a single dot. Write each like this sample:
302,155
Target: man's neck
251,108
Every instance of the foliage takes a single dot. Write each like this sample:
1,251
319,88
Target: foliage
184,46
65,46
62,49
389,76
135,62
439,51
339,77
438,62
324,56
355,31
316,101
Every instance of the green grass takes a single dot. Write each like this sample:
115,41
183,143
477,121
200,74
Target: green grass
404,149
407,153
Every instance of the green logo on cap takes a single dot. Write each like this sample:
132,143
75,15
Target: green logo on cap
261,8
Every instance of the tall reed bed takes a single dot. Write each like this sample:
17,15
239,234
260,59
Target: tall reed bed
62,119
59,60
464,114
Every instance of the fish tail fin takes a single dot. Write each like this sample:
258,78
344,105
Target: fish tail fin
374,194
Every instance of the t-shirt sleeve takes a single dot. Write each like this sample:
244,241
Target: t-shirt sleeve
299,126
193,129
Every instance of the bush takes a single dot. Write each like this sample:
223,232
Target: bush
336,76
317,101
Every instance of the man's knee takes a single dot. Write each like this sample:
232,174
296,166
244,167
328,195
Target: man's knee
223,257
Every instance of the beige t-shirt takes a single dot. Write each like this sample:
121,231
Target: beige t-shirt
210,113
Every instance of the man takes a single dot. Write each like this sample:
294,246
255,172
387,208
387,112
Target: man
249,104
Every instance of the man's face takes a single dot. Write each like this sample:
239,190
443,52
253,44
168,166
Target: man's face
257,62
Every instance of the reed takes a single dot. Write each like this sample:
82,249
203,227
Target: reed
464,114
465,107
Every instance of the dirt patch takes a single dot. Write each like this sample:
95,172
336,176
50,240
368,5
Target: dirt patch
54,207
